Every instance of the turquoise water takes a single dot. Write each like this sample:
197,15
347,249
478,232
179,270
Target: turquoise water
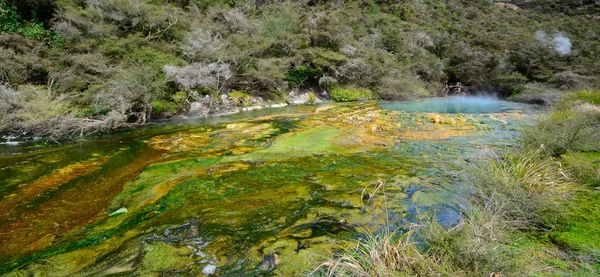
471,105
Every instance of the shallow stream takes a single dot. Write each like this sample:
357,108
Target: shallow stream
269,192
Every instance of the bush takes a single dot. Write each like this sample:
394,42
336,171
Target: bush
11,22
200,75
400,88
561,131
339,94
358,72
520,188
128,95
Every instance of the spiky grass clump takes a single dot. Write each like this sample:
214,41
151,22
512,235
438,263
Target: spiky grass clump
385,254
524,189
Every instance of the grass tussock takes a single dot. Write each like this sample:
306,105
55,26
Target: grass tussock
522,188
385,254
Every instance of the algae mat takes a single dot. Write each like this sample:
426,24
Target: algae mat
266,193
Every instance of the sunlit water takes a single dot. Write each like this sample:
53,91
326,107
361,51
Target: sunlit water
471,105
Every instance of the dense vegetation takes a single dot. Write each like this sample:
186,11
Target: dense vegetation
79,66
534,211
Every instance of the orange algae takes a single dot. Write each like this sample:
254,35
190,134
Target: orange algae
38,226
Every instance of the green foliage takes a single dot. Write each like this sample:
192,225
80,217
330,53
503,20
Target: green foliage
340,94
11,22
239,97
163,106
398,49
303,75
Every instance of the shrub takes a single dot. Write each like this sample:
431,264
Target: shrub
201,44
80,71
400,88
9,99
17,69
29,26
561,131
200,75
279,21
339,94
239,97
327,82
39,105
128,94
356,71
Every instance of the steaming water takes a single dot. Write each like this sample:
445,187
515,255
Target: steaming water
455,105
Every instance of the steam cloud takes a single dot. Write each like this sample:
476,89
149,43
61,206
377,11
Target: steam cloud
561,43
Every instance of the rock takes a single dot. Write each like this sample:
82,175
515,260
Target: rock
209,269
198,109
269,262
118,212
298,98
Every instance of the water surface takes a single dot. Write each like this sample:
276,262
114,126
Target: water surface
262,193
471,105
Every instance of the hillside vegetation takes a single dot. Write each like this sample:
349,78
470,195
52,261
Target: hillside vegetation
80,66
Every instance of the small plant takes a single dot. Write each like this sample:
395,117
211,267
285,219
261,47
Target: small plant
240,98
312,98
339,94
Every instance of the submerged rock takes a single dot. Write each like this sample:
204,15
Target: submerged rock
209,269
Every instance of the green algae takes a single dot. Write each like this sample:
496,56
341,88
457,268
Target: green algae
270,193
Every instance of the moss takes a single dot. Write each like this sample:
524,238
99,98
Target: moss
582,231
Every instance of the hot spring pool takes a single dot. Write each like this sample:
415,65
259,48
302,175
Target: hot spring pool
455,105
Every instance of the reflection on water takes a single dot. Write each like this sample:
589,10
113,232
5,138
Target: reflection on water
455,105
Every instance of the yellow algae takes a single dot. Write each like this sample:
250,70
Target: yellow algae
323,108
179,142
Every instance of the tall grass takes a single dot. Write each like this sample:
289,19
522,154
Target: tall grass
562,130
522,188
